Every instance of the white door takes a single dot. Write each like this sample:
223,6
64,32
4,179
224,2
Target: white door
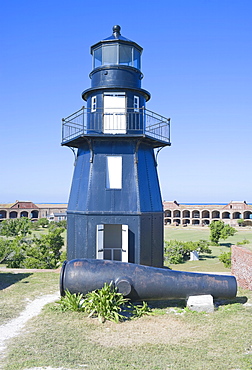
114,113
112,242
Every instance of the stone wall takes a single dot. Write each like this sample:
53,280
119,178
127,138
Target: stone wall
242,266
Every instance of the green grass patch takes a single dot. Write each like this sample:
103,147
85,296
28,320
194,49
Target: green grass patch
17,289
207,262
169,340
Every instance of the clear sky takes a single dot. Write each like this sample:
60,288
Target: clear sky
197,65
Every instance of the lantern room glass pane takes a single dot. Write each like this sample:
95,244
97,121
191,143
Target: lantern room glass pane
109,54
97,57
137,59
125,55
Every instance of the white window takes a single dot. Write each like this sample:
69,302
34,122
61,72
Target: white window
136,103
114,172
93,104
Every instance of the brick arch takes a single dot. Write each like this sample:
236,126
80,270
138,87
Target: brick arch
225,215
247,215
3,214
167,221
205,214
34,214
186,221
215,214
236,215
176,213
195,214
177,220
13,214
167,213
24,214
186,213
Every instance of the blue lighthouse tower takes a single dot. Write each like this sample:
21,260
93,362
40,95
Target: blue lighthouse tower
115,208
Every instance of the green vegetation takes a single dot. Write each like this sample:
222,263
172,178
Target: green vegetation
206,262
19,249
71,302
171,338
218,230
226,259
17,227
176,252
105,304
17,289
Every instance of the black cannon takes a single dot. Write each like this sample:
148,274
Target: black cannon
139,282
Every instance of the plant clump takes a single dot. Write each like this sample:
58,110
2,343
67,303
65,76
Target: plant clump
105,304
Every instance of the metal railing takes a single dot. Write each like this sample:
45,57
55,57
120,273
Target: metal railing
131,122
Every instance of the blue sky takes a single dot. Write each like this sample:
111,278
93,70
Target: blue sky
197,65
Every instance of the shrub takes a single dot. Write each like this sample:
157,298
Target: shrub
243,242
225,258
177,252
42,252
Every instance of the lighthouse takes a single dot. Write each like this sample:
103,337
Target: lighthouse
115,207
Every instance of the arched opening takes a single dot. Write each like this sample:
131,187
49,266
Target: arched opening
247,215
195,222
205,222
248,223
2,214
215,214
24,214
176,221
225,215
236,215
205,214
186,214
167,213
186,221
176,213
13,214
34,214
167,221
195,214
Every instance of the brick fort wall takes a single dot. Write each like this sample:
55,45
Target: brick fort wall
242,266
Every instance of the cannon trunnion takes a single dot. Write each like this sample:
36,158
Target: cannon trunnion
139,282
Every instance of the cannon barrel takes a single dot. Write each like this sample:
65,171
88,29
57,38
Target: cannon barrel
139,282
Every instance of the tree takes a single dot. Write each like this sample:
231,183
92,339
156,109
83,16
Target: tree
43,222
36,252
19,226
218,230
5,249
240,222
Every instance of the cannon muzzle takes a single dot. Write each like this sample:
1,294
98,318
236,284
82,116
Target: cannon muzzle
139,282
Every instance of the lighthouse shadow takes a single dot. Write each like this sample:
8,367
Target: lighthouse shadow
8,279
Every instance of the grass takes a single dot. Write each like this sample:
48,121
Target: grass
17,289
171,339
207,262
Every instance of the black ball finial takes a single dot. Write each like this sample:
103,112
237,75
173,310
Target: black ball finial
117,29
